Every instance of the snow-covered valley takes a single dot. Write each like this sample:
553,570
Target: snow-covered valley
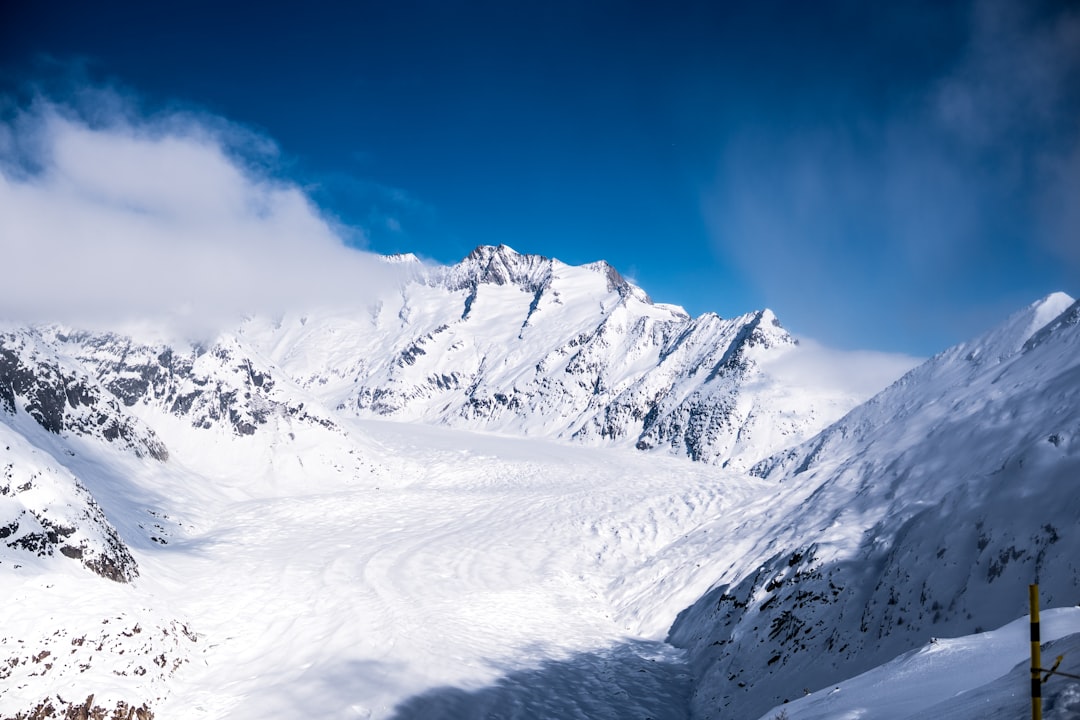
520,489
462,561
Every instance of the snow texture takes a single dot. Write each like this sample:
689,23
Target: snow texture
441,509
924,512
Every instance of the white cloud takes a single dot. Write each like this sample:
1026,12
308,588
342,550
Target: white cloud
121,218
861,373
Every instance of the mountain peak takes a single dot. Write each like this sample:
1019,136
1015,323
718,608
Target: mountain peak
1009,337
1049,308
488,252
768,317
1070,317
400,259
501,265
616,282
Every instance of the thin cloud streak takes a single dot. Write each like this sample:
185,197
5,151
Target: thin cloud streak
118,219
902,206
861,373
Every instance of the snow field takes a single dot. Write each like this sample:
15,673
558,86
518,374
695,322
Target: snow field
523,572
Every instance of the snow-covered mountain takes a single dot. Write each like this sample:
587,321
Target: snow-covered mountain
66,445
502,341
222,390
62,398
295,518
519,344
924,512
531,346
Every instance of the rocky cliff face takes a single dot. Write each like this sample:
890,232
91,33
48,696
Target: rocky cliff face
45,510
63,399
218,385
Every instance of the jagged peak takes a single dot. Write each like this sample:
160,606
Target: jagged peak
1070,317
484,253
400,259
500,265
503,265
767,317
1010,337
765,320
616,282
763,328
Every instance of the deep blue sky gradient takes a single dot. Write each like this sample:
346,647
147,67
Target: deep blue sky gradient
895,176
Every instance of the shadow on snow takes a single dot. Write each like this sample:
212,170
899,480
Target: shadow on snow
633,680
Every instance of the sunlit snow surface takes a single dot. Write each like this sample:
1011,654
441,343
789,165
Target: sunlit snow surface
966,677
469,575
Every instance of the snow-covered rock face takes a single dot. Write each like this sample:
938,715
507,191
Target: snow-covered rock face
63,399
45,512
526,344
220,386
924,512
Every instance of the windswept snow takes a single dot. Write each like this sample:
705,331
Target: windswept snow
974,672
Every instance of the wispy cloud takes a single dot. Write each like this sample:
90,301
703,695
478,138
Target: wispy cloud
861,373
106,215
980,161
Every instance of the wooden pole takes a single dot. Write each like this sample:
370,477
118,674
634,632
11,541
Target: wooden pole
1036,654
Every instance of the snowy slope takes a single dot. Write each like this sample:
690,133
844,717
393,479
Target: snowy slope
976,676
67,638
76,624
87,482
483,569
474,572
924,512
46,513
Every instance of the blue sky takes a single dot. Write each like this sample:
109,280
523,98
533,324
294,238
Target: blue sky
894,176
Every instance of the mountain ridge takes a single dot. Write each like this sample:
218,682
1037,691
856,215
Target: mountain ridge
503,338
908,514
